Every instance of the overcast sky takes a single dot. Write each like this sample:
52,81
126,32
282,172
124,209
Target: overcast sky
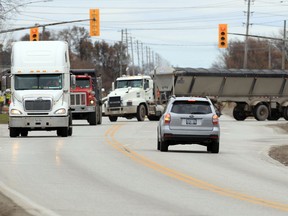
184,32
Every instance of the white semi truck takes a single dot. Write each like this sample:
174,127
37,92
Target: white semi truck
133,96
40,88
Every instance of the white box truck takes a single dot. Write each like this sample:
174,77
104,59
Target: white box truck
40,88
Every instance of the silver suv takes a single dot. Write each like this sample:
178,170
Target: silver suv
189,120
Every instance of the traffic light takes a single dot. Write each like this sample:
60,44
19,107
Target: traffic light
222,36
94,22
34,34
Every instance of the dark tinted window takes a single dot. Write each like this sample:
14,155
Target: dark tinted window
191,107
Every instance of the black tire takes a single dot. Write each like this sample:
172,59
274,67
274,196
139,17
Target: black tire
163,146
99,115
153,118
63,132
70,131
213,147
261,112
113,118
239,113
14,132
285,113
24,133
158,141
92,118
141,112
274,115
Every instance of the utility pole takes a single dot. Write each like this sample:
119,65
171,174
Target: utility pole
284,46
43,33
138,54
246,37
142,51
121,53
132,56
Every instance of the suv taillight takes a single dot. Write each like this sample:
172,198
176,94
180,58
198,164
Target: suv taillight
167,118
215,120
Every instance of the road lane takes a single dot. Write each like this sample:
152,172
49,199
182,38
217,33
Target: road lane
86,175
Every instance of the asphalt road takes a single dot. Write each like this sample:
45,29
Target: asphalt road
115,169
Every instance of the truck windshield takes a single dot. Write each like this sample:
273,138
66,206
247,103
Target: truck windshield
82,83
39,81
129,83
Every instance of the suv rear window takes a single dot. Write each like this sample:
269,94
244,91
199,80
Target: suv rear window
191,107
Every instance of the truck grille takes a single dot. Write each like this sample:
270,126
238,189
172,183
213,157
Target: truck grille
78,99
114,101
38,105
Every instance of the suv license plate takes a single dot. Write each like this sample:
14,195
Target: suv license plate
191,121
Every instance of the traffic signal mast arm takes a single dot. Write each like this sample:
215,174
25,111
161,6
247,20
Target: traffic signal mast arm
50,24
257,36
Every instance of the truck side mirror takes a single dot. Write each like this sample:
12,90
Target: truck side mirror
113,86
73,81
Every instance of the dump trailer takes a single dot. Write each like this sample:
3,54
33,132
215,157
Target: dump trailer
259,93
86,96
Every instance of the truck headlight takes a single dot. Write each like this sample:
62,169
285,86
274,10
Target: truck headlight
92,102
15,112
60,111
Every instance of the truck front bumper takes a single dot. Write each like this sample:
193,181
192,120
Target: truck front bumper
119,111
42,122
83,109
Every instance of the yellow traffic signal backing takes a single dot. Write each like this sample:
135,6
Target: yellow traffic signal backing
222,36
34,34
94,22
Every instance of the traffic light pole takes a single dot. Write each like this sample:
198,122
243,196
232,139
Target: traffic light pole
50,24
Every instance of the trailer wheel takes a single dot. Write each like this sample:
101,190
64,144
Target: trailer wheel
141,112
274,115
261,112
153,117
239,113
14,132
285,113
113,118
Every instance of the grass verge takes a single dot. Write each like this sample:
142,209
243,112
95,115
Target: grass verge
4,118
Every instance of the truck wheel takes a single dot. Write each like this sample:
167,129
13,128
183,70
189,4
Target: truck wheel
239,113
24,133
261,112
141,112
274,115
285,113
99,116
113,118
14,132
70,131
63,132
92,118
153,118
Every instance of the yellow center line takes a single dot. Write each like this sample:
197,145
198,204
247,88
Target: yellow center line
110,139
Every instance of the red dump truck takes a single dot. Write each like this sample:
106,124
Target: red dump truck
86,96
